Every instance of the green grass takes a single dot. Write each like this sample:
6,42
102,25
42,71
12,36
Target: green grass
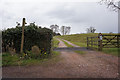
80,44
55,42
80,52
113,51
68,45
15,60
81,40
78,39
8,59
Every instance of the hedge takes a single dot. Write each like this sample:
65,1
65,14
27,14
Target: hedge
33,35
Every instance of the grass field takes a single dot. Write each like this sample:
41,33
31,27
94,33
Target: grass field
81,40
113,51
15,60
55,43
78,39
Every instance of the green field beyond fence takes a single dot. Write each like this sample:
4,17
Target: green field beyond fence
81,40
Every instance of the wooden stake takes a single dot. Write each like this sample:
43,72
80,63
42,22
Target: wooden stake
87,43
22,38
118,41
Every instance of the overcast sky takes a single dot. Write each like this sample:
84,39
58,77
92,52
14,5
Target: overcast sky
79,15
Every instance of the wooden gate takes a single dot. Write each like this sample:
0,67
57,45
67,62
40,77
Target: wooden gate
103,41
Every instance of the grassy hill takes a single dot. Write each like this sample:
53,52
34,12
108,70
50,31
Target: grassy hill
80,40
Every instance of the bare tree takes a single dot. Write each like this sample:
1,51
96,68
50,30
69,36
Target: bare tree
91,30
51,27
65,30
111,4
55,28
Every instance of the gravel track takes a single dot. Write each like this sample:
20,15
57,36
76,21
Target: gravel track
73,65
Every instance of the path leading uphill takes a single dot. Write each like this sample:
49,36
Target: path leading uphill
73,65
70,43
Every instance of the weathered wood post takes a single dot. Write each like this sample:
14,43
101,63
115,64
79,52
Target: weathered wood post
92,42
100,42
118,41
87,42
22,38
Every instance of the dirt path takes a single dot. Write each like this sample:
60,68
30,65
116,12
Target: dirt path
71,43
73,65
61,43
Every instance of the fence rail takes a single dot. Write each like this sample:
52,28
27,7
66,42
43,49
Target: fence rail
103,41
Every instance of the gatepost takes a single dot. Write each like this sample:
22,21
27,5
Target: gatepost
100,41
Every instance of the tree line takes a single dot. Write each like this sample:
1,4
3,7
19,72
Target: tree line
64,30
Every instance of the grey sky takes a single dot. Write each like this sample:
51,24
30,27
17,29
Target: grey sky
78,15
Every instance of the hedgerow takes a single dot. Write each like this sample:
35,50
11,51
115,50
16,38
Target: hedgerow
33,35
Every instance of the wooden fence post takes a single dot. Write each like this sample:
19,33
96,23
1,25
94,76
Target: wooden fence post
100,42
87,42
91,42
118,41
22,38
100,48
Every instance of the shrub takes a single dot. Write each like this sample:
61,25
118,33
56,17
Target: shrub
33,35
